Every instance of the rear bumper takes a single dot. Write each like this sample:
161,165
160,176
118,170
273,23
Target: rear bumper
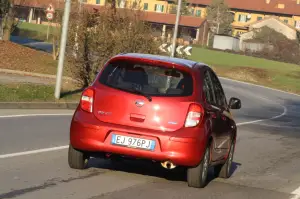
183,151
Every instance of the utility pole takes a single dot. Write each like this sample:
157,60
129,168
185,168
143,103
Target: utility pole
63,43
80,5
176,28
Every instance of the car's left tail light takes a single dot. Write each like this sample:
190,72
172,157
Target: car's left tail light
194,116
86,101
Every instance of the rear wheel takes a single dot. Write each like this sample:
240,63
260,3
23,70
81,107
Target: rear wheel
224,170
197,176
77,159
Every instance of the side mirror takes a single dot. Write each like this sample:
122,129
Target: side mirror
235,103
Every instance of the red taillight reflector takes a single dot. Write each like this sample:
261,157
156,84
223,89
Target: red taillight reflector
194,116
87,98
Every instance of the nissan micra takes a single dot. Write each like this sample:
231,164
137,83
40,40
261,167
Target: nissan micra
169,110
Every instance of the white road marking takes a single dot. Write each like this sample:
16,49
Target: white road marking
273,89
66,146
262,120
279,126
34,115
296,193
296,197
264,99
33,152
67,114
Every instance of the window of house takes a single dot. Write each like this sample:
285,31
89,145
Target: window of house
159,8
97,1
242,18
259,18
297,24
145,6
286,21
198,13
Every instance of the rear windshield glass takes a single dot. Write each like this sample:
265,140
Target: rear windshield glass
147,79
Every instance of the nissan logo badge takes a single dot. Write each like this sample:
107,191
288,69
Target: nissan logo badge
139,103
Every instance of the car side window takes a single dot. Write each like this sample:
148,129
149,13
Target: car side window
208,88
218,90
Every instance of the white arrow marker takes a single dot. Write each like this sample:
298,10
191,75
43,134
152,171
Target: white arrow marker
162,47
178,50
170,48
186,50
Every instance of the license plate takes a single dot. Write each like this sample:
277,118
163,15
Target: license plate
133,142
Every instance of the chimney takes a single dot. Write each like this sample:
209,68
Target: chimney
268,1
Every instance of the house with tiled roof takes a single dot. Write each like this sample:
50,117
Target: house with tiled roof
245,11
274,23
159,13
191,28
248,11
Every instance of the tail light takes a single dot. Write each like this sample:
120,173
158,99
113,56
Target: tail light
87,98
194,116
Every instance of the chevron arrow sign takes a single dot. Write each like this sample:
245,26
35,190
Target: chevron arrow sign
179,49
184,50
165,47
188,50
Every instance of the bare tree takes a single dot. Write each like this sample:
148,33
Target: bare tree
219,17
100,37
185,10
6,18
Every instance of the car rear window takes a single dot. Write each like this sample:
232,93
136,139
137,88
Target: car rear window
149,79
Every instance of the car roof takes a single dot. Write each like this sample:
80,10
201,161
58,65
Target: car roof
184,62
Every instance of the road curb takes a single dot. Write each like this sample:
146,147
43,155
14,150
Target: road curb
38,105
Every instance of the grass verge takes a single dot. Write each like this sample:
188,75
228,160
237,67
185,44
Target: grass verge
278,75
35,31
18,57
35,93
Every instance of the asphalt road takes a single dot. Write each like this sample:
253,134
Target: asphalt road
266,162
38,45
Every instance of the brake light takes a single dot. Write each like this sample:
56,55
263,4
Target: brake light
194,116
87,99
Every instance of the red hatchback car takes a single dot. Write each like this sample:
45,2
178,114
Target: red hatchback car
173,111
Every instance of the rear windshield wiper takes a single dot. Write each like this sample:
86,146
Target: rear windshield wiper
143,94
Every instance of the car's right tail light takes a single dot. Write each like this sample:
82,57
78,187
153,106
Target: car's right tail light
194,116
86,101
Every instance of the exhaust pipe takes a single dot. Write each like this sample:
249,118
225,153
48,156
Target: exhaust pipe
168,165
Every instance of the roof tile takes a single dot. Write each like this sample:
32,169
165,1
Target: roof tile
290,6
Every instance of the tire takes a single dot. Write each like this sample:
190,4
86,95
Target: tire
197,176
77,159
223,170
